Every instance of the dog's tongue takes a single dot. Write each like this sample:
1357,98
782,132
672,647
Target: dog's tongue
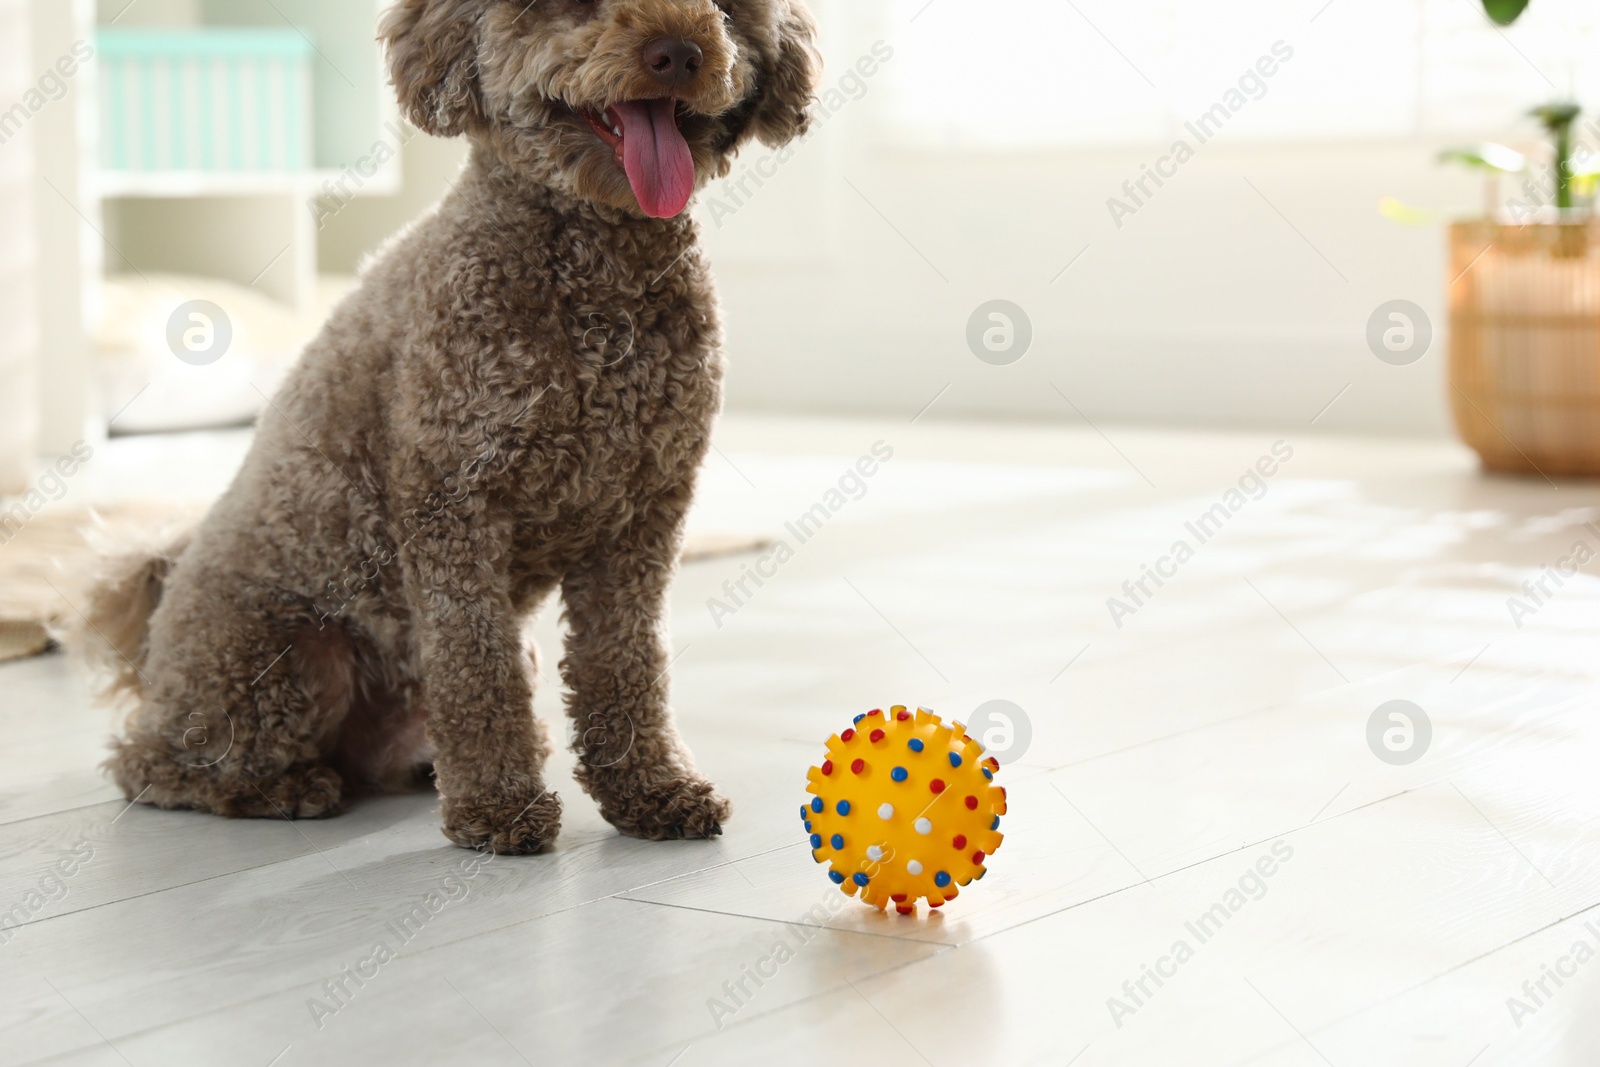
656,156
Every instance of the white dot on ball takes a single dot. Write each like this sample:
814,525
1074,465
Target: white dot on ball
874,853
886,811
923,826
914,867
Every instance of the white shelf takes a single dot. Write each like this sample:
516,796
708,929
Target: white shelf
261,229
187,184
191,184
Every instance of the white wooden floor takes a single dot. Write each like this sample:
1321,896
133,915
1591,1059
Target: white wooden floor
1220,731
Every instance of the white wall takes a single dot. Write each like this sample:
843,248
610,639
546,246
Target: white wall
1206,308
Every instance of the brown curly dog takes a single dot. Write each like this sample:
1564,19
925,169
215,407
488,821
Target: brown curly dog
517,398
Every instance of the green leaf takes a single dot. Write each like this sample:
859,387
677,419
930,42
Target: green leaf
1556,116
1495,157
1505,12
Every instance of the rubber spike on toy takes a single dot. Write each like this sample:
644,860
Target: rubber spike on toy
904,809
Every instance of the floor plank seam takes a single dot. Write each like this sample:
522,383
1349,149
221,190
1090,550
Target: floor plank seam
939,948
1371,1005
1297,699
897,938
703,870
1186,867
6,823
286,989
943,949
297,858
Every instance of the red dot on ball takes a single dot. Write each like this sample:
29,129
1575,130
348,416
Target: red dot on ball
875,711
972,802
876,735
898,898
827,766
903,716
977,857
937,785
858,766
847,735
960,842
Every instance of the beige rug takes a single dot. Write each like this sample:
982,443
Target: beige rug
47,564
46,567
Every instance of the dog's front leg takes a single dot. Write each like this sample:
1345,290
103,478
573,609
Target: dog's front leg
490,752
630,757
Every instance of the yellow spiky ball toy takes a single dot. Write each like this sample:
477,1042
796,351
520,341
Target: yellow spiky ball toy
904,808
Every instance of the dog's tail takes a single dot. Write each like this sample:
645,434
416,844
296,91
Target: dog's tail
125,593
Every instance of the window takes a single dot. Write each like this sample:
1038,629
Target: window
1054,73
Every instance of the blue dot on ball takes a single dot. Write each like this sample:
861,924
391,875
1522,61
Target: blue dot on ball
816,805
843,807
987,773
996,824
860,879
838,879
955,759
808,826
858,718
837,841
898,774
816,840
915,744
941,879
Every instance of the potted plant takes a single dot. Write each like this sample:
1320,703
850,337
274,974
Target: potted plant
1525,303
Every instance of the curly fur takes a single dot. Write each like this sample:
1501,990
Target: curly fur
514,403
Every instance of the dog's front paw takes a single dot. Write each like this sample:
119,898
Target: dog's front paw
505,826
662,809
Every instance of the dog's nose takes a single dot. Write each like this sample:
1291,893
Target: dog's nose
674,61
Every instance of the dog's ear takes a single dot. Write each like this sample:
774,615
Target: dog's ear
787,80
433,62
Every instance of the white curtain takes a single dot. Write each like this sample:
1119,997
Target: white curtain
18,327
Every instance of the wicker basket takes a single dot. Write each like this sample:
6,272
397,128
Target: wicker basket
1525,345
